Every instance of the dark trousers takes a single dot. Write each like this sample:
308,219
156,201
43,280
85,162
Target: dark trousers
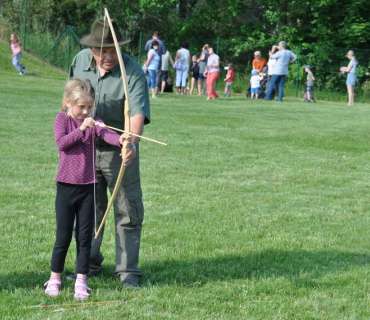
73,201
280,81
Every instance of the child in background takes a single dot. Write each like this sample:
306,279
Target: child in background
229,79
255,83
15,45
310,80
75,134
195,69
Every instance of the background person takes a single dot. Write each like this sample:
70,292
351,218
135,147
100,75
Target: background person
162,48
255,83
195,74
270,72
151,66
351,76
99,64
259,63
310,80
229,79
202,61
212,72
166,59
283,58
183,55
16,47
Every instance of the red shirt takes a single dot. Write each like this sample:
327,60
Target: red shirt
230,74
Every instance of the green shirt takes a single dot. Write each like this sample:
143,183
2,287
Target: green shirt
109,92
310,79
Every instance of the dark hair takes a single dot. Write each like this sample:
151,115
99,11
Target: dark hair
184,44
155,43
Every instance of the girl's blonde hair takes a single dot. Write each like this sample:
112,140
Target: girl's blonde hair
15,37
205,47
72,91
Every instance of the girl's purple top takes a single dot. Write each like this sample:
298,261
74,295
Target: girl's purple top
77,148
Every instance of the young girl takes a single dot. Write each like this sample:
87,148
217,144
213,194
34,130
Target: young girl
229,80
15,45
351,76
75,134
195,76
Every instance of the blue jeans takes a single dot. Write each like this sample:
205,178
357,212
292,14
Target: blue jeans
15,61
279,80
152,78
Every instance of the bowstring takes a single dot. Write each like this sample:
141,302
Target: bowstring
95,109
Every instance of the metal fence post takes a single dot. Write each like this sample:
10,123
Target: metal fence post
24,29
141,39
69,47
298,66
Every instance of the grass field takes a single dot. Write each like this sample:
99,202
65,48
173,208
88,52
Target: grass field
255,210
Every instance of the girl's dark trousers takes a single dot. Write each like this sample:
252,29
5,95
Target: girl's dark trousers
73,201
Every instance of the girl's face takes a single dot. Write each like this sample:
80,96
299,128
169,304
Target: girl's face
210,50
81,108
13,38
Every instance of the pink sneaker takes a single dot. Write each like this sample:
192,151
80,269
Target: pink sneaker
81,290
53,287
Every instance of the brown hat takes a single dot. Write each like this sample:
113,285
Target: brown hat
101,32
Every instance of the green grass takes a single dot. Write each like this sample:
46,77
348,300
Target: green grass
255,210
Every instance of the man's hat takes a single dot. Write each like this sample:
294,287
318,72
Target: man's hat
101,35
307,67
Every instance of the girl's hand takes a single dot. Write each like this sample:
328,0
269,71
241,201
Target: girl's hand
88,123
125,136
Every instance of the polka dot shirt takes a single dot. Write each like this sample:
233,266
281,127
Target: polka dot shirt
77,148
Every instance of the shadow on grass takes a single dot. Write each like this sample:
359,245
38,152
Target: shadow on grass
303,268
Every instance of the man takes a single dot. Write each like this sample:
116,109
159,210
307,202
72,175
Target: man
100,65
283,58
161,51
166,58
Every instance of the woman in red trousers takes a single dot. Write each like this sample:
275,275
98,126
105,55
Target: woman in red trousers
212,72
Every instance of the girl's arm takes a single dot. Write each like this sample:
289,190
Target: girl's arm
346,69
64,139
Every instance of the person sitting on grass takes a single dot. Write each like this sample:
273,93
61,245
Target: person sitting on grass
74,134
310,80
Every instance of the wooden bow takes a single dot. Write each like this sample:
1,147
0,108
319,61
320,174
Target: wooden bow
126,146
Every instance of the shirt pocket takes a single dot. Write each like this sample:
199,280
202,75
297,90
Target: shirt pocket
112,111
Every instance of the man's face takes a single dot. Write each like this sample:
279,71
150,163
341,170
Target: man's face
108,59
